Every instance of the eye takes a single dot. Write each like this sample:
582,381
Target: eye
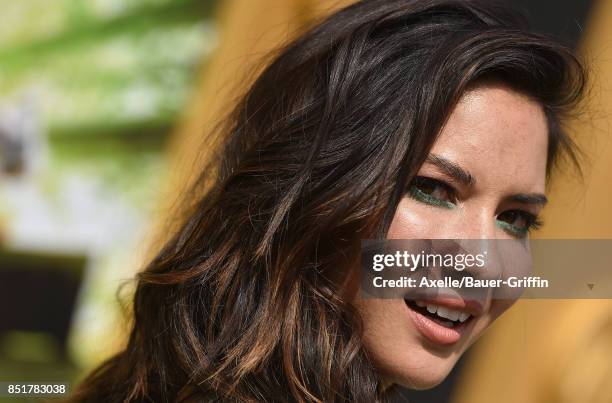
433,192
518,222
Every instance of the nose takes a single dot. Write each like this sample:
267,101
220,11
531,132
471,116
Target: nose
478,222
476,234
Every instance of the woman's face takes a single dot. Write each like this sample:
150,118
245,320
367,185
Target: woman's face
492,149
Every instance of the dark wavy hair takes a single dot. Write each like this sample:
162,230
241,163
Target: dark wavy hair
247,302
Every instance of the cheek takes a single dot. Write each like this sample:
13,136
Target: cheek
407,223
413,220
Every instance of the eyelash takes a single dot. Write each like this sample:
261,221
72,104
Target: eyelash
532,223
416,192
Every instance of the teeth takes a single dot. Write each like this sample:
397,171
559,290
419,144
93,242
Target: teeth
444,312
448,313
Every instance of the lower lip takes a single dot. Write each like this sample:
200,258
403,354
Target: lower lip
435,332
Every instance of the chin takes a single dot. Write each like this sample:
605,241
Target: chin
426,370
422,383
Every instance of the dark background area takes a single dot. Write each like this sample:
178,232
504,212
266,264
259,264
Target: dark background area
564,19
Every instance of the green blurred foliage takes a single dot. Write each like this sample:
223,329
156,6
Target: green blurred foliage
103,66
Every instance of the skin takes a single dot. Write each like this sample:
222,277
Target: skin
498,136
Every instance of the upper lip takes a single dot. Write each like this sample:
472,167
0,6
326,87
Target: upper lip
473,307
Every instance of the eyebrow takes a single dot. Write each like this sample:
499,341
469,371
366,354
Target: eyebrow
529,198
452,169
467,179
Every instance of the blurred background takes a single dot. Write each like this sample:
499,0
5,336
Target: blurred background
90,91
103,108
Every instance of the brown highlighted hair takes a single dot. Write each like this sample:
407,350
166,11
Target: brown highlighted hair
246,302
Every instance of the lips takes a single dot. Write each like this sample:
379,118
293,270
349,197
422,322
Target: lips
443,321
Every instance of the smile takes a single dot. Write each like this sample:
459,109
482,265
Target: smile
443,321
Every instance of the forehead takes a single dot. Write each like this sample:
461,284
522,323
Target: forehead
500,136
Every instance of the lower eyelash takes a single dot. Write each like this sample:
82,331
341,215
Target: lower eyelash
512,228
422,197
535,224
